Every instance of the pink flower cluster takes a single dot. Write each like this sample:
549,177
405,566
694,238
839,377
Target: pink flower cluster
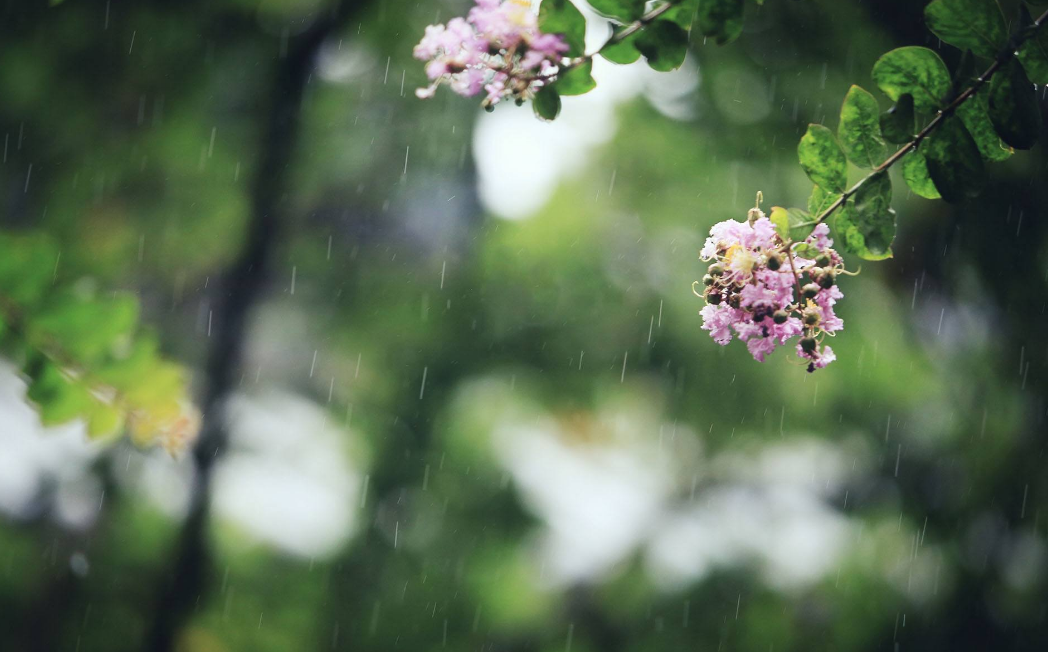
750,289
497,48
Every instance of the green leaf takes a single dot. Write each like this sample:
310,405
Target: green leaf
973,114
898,124
822,158
576,81
623,52
86,329
147,382
683,13
867,222
859,131
104,420
914,70
562,17
792,223
625,11
821,199
915,173
546,104
976,25
954,163
58,395
964,75
720,20
805,250
1033,54
1013,107
664,44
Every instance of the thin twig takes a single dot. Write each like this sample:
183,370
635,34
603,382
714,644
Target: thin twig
243,284
622,35
1002,59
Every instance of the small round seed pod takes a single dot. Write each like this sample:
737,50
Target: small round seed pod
826,279
810,290
780,316
774,262
808,344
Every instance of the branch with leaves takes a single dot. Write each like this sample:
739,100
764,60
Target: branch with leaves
966,120
82,354
503,49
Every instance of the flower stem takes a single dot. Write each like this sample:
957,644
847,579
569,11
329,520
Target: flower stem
796,276
1001,59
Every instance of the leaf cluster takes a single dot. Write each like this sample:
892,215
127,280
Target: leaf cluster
967,122
661,36
82,353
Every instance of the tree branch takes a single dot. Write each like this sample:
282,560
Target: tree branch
1002,59
242,284
622,35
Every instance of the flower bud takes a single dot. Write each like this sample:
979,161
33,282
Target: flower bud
811,317
716,269
780,316
707,280
774,262
734,301
810,290
713,298
808,344
823,260
826,279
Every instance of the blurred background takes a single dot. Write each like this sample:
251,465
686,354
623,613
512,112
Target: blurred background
475,409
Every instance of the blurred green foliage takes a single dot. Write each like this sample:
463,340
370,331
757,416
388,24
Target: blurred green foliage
143,125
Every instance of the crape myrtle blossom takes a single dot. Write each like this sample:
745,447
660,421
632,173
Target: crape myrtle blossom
497,48
750,289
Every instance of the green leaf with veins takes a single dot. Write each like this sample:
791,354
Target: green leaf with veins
623,52
576,80
1013,107
976,25
915,173
546,104
664,44
859,131
974,114
914,70
821,199
1033,54
822,158
792,223
954,162
867,221
898,124
625,11
720,20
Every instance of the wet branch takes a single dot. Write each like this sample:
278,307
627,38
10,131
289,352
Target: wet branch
242,284
623,34
1001,59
